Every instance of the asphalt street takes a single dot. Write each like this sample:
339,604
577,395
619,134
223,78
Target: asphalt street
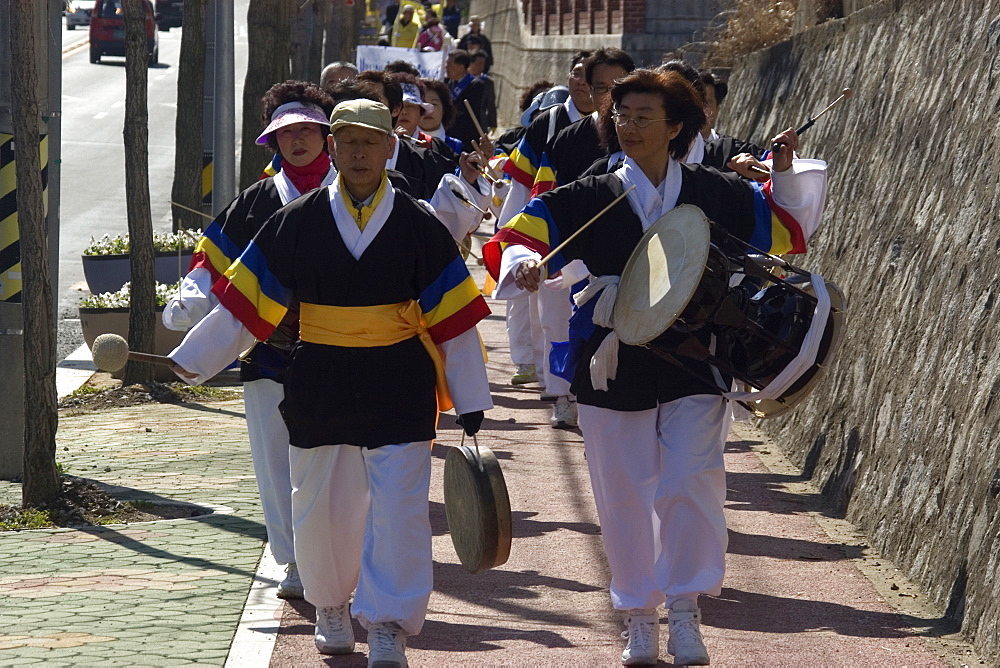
92,184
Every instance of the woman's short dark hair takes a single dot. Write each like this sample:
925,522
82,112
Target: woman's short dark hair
443,92
681,102
291,91
534,89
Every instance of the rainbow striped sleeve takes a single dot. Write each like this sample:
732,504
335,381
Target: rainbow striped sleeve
533,228
215,251
272,168
522,165
545,177
452,303
252,293
776,231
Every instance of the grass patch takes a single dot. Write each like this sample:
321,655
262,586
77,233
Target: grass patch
29,518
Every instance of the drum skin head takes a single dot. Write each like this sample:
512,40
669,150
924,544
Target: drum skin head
662,274
477,507
828,348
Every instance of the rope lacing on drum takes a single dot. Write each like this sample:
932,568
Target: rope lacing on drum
604,363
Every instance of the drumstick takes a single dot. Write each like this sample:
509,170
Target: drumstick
844,94
472,114
413,140
485,167
570,238
465,200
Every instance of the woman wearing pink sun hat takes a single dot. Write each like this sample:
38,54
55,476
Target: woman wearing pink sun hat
296,119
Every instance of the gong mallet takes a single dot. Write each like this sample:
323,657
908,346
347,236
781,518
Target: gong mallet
844,94
552,253
110,353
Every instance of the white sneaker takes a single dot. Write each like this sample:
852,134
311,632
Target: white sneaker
525,374
685,641
564,414
643,635
386,646
334,633
291,586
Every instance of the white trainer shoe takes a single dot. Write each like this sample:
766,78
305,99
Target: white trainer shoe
685,642
525,374
334,633
564,414
643,635
386,646
291,586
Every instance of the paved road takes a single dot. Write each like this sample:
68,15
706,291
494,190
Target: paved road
171,593
93,154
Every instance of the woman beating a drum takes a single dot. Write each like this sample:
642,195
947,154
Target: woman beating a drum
653,433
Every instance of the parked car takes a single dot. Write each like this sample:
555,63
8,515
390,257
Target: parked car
78,13
169,13
107,31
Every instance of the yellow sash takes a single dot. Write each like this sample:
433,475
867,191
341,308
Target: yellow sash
371,326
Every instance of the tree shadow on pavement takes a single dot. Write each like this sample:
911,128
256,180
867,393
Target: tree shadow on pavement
141,546
521,524
758,545
761,613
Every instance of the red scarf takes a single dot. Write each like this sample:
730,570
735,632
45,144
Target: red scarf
309,177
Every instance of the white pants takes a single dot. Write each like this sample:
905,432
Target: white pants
362,521
524,342
553,309
659,484
269,450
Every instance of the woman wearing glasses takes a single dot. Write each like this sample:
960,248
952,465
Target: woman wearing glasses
654,435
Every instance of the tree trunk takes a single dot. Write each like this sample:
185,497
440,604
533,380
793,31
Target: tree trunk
189,141
331,44
314,62
142,304
41,478
299,39
267,36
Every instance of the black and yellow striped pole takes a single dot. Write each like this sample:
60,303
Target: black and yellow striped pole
10,247
206,182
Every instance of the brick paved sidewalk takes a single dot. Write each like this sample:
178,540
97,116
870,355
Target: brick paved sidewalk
166,593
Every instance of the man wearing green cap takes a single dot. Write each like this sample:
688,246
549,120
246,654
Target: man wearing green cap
387,316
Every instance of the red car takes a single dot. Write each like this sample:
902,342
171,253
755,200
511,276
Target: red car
107,31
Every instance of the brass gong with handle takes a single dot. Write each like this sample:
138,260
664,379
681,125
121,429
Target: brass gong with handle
477,506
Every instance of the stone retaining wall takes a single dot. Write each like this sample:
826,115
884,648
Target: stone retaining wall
903,433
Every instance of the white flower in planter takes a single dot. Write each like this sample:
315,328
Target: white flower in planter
182,240
120,299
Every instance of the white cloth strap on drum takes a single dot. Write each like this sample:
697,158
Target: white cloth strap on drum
604,363
807,353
